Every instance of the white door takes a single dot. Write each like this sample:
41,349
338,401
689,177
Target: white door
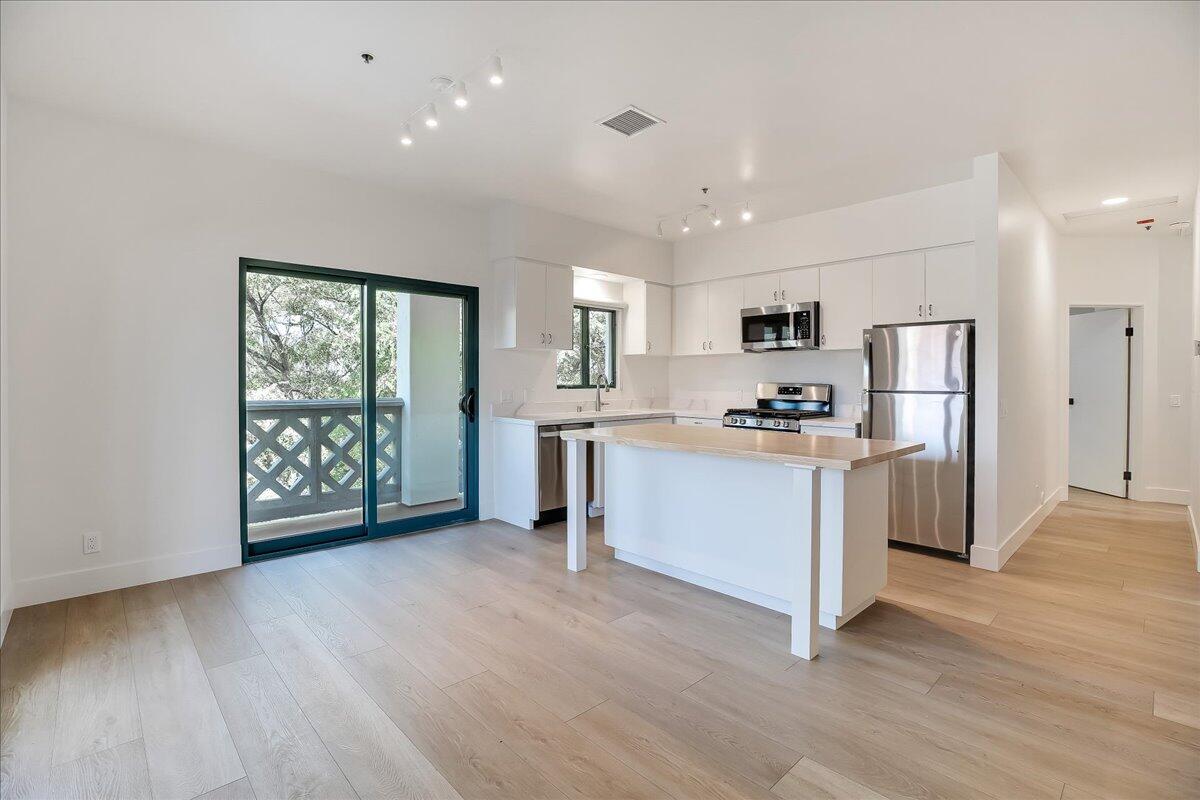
845,305
560,303
658,320
691,319
950,283
725,300
799,285
899,289
762,290
1099,392
530,299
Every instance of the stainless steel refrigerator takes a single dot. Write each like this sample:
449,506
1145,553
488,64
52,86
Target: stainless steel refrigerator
918,381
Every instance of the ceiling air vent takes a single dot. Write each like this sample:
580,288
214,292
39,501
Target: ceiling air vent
630,121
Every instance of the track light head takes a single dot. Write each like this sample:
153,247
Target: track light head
495,71
660,232
715,218
406,138
430,116
747,215
460,95
683,224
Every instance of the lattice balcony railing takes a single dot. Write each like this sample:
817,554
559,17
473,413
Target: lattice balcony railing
306,456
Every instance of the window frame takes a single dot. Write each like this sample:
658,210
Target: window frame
585,359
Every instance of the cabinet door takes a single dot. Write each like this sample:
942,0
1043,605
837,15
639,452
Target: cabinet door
845,305
690,320
950,283
530,300
826,430
899,289
762,290
658,320
725,303
560,301
636,338
799,285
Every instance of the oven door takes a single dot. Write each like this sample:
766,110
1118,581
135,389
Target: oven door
767,328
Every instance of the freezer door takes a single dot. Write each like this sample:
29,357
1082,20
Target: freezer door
917,358
928,491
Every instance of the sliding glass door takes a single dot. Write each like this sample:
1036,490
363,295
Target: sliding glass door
314,343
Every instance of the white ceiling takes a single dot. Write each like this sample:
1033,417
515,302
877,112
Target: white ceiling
798,107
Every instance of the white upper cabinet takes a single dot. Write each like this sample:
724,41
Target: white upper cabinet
950,283
845,305
534,304
708,318
725,302
799,285
777,288
690,319
899,289
647,320
762,290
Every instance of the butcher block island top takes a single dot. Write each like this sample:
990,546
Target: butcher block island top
827,452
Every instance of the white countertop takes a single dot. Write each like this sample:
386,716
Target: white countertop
830,452
567,417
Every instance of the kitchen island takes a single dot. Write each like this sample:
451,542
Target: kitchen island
792,522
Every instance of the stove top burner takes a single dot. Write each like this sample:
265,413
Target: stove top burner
777,413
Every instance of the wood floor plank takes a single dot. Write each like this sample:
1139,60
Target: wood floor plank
188,747
97,702
432,653
238,790
1184,709
474,760
576,765
148,596
376,757
217,629
281,752
30,666
119,773
335,625
809,780
673,765
253,595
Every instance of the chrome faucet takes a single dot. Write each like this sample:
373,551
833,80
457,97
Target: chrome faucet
602,381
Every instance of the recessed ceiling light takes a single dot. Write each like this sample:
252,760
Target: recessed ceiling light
1115,201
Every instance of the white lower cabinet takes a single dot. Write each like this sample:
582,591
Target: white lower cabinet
828,430
845,305
704,422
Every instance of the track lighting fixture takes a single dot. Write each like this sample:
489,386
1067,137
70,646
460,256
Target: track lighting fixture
746,213
495,71
460,95
406,135
430,116
711,211
683,224
660,233
715,218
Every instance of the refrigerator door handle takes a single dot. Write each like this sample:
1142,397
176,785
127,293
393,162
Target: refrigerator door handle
866,415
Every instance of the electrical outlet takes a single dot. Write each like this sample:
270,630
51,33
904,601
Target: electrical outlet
91,542
1174,401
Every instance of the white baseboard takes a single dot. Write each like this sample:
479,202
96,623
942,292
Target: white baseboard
64,585
994,558
1161,494
1194,524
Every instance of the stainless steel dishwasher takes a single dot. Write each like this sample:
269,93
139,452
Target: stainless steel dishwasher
552,471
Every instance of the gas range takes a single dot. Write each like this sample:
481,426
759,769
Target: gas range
783,407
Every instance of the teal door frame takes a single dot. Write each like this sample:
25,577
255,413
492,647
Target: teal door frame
370,528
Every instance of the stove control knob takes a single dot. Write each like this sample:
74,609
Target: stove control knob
758,422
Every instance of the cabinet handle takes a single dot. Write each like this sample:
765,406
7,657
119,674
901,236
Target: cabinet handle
776,295
783,295
551,335
704,345
822,338
647,345
931,310
543,337
920,310
710,347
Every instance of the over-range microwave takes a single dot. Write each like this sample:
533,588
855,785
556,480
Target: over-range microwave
794,326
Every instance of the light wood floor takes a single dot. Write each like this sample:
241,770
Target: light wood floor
468,662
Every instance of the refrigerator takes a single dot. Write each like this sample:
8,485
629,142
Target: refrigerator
918,383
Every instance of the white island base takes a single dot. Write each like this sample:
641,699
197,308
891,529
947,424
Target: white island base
735,512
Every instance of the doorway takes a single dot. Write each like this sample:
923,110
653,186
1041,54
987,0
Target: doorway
1101,360
327,356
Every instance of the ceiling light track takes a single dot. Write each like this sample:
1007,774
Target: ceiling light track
709,210
491,70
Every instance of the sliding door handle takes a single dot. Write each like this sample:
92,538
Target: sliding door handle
466,405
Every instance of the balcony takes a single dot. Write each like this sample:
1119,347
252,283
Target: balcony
304,466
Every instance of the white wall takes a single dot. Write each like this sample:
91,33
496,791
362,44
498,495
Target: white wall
124,251
1153,276
1017,365
914,221
6,571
